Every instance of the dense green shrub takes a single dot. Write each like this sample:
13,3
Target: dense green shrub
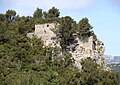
24,61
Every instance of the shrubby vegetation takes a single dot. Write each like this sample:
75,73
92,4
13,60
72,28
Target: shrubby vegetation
25,61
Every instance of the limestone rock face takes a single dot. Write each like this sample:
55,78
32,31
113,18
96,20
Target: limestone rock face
45,32
84,47
87,47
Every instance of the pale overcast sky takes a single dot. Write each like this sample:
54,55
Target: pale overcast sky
104,15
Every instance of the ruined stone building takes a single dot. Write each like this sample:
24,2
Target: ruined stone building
87,47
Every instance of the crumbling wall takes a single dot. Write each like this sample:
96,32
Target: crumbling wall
44,31
85,47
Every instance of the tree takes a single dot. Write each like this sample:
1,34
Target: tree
10,15
66,31
25,61
53,13
3,30
84,26
45,15
93,74
38,14
2,17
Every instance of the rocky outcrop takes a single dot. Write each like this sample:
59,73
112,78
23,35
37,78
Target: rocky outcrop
45,32
85,46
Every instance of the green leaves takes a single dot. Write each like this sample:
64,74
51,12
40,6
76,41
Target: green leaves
53,13
2,17
38,14
25,61
66,31
84,25
10,15
84,28
93,74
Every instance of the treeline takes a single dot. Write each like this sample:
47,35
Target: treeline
25,61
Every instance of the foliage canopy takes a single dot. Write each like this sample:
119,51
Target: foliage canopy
25,61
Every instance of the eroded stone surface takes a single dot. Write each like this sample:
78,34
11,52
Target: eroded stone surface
85,46
44,31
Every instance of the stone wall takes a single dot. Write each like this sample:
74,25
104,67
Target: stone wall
44,31
83,49
85,46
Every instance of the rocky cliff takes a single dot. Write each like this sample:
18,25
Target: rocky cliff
85,46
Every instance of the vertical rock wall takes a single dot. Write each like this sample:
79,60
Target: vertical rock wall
85,47
44,31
